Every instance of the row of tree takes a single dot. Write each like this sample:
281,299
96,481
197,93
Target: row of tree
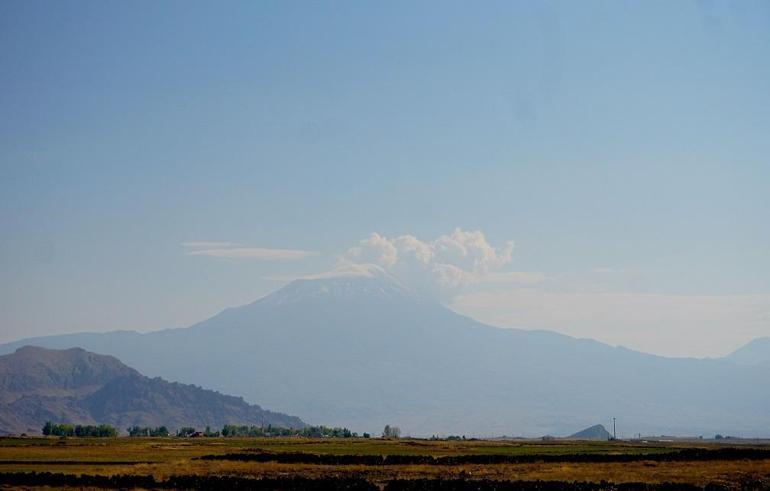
188,431
66,429
270,430
147,431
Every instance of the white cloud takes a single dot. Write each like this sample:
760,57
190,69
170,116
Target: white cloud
232,250
438,267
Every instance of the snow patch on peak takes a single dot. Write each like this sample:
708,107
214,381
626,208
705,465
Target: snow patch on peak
359,281
354,271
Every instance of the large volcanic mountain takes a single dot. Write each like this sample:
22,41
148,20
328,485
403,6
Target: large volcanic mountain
360,350
76,386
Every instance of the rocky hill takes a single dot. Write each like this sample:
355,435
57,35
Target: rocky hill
77,386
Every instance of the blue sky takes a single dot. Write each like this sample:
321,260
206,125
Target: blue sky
623,147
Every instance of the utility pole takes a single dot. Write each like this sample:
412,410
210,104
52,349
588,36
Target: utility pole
614,435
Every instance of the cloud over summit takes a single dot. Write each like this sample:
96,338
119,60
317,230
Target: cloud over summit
437,268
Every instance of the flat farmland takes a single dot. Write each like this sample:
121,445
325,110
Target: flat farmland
300,463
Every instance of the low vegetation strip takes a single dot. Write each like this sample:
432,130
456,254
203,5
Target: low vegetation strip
339,483
343,484
486,484
689,454
181,482
73,462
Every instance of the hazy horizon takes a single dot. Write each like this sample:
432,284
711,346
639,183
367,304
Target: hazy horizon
477,312
595,169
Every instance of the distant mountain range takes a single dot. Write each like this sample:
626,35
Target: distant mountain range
76,386
359,350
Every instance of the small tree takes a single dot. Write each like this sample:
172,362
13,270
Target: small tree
185,431
107,431
159,431
66,429
209,433
391,432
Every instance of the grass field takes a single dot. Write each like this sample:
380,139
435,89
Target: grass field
163,458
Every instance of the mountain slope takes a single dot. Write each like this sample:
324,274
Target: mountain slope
77,386
361,351
757,352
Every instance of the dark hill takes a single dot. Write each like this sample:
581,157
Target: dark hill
596,432
78,386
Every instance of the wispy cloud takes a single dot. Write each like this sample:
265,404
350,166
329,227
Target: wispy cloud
514,278
209,245
610,270
234,250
